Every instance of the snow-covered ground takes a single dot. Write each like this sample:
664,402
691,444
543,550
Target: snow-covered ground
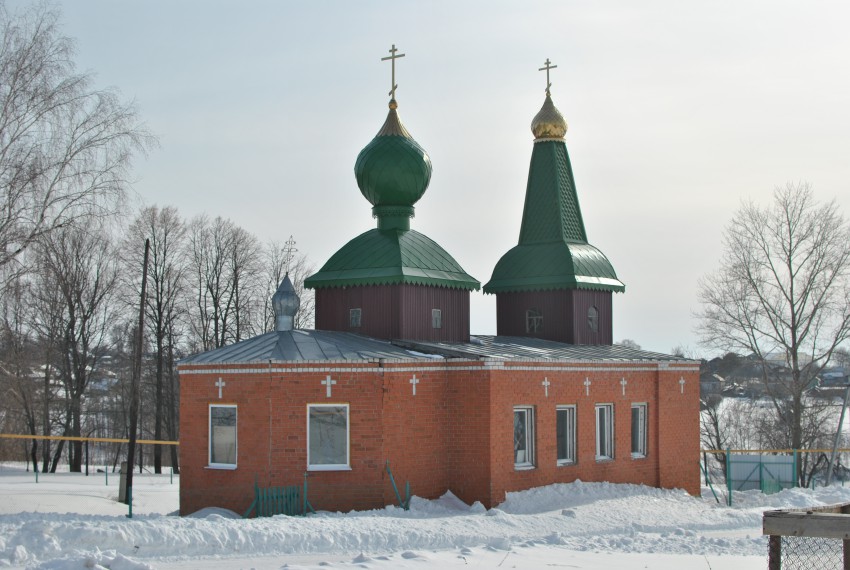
69,521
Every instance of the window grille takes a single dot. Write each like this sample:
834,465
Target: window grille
523,437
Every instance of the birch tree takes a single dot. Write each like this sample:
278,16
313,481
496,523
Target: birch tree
65,146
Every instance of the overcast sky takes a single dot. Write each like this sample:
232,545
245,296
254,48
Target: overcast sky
677,112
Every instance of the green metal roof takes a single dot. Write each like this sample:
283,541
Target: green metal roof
561,265
551,212
388,257
553,252
393,169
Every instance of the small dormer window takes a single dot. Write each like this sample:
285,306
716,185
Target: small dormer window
593,319
436,318
354,318
533,321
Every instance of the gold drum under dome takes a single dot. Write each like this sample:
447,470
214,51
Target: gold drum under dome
549,123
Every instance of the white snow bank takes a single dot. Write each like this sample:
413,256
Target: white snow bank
576,517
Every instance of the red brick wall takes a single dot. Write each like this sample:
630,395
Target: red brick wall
272,438
470,453
416,432
512,387
456,433
678,429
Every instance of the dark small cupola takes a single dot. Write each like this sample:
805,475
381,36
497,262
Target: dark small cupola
285,303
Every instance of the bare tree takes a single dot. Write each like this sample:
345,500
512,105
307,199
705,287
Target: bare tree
16,363
782,293
224,261
726,423
245,258
163,305
46,317
83,263
65,147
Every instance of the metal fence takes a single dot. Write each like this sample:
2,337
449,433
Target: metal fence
815,538
766,470
767,473
808,552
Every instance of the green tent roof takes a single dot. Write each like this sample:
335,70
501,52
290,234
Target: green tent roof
553,252
553,266
389,257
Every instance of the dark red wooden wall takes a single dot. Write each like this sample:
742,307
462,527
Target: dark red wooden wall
395,311
564,315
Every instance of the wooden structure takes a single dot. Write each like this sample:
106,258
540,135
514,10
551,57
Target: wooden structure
563,315
422,312
829,522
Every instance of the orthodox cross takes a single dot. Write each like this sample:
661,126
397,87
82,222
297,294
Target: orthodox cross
414,381
288,252
623,383
328,382
546,385
682,384
587,386
547,67
220,384
392,57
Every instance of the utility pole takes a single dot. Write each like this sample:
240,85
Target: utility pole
134,388
837,438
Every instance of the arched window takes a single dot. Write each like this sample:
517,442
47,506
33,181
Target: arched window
593,319
533,321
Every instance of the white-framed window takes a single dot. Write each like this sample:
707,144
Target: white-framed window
523,437
436,318
639,430
354,318
533,321
565,428
223,442
327,437
593,319
604,432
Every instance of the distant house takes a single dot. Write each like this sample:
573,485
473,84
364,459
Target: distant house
392,374
710,384
832,382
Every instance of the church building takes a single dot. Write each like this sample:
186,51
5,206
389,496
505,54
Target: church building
391,375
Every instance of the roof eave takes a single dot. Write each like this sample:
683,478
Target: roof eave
554,283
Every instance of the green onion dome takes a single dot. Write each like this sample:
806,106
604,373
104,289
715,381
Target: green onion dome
393,171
